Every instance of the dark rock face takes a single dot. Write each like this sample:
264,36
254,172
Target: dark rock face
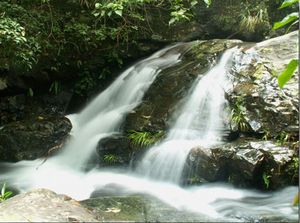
245,163
266,112
264,107
22,107
114,150
31,139
164,96
172,84
43,205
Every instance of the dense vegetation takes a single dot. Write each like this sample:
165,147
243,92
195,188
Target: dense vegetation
86,41
46,37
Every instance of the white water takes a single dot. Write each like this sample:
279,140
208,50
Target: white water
218,201
104,115
199,123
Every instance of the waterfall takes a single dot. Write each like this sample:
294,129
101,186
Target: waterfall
199,123
104,115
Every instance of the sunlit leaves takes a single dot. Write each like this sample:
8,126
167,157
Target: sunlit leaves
287,74
286,20
17,49
179,15
180,10
207,2
287,3
293,18
4,194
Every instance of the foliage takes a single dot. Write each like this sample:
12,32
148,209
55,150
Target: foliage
81,38
292,169
30,92
252,21
85,83
293,18
55,87
266,179
296,163
266,135
288,72
287,20
136,10
290,18
4,194
247,20
238,114
144,139
282,138
110,159
15,49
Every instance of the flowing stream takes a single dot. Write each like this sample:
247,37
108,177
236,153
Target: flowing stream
198,122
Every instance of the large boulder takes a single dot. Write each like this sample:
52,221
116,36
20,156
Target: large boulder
33,138
138,208
256,99
245,163
43,205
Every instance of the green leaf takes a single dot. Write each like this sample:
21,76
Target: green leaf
172,20
119,12
7,194
287,74
194,2
97,5
30,92
294,23
286,20
207,2
287,3
3,189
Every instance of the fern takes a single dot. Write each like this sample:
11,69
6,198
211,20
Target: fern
249,23
238,116
4,194
144,139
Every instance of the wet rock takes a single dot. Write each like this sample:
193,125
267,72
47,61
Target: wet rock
33,138
255,98
164,96
138,208
172,85
22,107
245,163
131,208
114,150
43,205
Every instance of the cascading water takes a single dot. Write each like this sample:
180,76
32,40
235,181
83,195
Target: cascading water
104,115
198,123
101,118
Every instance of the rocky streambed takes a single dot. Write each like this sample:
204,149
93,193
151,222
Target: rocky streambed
260,149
